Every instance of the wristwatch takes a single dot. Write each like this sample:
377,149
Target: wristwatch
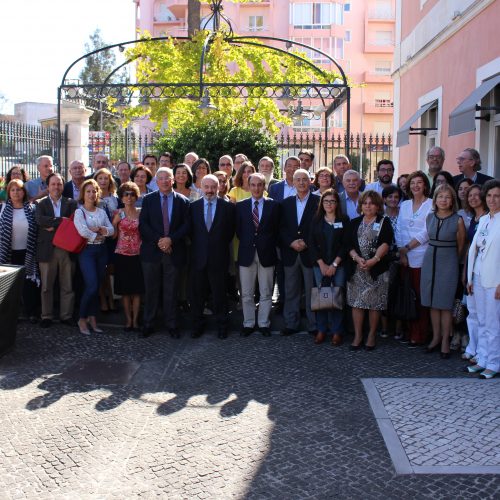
334,264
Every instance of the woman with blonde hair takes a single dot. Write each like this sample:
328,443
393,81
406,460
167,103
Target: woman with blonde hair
93,224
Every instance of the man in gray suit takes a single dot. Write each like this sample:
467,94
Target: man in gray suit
52,260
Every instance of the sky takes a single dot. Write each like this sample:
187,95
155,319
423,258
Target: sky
40,39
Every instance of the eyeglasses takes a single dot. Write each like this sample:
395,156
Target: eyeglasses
224,164
461,158
128,193
386,170
434,157
329,202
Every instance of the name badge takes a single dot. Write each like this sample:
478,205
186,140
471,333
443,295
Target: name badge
376,226
337,225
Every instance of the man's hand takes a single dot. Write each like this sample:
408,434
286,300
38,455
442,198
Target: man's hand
165,244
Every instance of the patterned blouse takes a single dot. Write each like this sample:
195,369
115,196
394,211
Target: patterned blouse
129,239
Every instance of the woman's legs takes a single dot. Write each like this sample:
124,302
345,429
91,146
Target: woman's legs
136,304
127,309
446,322
436,327
357,318
374,317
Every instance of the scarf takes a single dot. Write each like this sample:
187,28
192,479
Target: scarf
31,268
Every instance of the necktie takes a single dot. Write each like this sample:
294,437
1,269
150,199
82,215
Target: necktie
208,222
255,215
164,212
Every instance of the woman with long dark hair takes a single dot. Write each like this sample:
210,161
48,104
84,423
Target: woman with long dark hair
328,236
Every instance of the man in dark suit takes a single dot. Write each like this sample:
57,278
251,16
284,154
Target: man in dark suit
212,230
164,225
72,187
295,221
52,260
285,188
257,222
469,164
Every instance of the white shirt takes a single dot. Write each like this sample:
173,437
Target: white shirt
98,218
411,225
351,206
376,186
20,227
56,205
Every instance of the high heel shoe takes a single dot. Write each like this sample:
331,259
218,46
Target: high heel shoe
444,355
84,331
429,349
353,347
370,347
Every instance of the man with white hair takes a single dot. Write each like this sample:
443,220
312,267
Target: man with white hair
435,162
266,168
190,158
349,197
72,187
37,188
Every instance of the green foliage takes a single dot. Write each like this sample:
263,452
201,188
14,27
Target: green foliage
211,140
97,68
176,61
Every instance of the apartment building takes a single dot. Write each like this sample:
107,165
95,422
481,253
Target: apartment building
447,81
359,34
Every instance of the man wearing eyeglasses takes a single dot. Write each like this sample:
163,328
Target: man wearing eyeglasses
469,162
227,166
435,161
385,173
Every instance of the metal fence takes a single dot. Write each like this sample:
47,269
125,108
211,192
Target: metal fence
364,150
22,144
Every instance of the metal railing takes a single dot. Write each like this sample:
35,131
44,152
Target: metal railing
22,144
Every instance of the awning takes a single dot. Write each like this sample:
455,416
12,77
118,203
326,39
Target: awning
463,117
403,137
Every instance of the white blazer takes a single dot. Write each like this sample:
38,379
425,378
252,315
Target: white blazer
490,258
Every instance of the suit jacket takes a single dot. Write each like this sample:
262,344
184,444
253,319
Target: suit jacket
45,218
68,190
264,240
277,190
490,257
385,235
151,227
211,248
290,230
343,203
480,179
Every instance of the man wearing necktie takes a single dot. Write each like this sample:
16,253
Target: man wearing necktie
257,228
212,230
164,225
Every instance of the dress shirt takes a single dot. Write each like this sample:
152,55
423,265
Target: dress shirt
260,206
351,207
376,186
301,205
57,206
34,186
76,191
289,190
205,208
152,185
170,203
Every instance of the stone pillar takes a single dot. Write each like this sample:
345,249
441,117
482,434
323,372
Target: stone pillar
76,117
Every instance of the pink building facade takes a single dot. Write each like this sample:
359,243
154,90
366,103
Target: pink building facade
447,61
360,35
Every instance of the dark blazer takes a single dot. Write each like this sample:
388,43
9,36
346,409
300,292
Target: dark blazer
45,218
480,179
277,190
290,230
386,235
341,238
68,190
264,240
343,202
151,227
211,248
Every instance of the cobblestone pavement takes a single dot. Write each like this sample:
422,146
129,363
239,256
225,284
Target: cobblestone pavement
252,418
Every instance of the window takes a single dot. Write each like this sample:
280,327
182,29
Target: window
255,23
383,100
347,7
383,38
382,67
336,119
333,46
316,15
339,48
347,36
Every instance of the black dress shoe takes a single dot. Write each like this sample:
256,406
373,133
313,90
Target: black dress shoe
128,328
68,322
287,332
266,331
174,333
246,331
195,334
353,347
222,334
45,323
147,331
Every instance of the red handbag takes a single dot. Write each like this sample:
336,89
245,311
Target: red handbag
67,237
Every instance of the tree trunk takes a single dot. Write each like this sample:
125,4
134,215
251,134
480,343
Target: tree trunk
194,8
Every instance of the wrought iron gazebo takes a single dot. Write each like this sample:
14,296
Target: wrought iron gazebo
332,94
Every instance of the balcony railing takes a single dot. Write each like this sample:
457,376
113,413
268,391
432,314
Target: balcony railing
383,103
389,42
257,28
381,14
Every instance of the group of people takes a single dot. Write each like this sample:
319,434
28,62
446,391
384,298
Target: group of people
178,233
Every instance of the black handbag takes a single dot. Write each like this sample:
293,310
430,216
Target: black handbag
404,303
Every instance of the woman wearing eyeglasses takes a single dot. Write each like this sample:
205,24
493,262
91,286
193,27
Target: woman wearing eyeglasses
129,281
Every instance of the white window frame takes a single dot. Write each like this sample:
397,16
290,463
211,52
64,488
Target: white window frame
433,136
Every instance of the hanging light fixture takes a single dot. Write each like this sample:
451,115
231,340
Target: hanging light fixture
286,97
144,101
121,103
205,104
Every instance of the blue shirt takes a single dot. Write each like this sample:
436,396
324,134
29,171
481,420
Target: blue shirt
351,207
205,208
301,206
34,186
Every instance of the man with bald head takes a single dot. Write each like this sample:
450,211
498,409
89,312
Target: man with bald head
72,187
212,230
